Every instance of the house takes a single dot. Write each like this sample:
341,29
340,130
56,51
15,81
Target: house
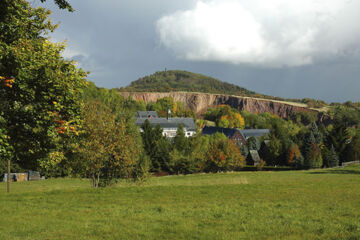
238,135
146,114
247,133
169,125
231,133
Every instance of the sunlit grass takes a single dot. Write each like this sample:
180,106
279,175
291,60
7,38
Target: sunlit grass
317,204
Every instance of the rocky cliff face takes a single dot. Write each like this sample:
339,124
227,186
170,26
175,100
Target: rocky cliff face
200,102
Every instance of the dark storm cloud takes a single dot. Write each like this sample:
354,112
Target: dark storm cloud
118,42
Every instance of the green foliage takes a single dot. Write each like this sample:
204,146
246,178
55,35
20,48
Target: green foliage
222,155
141,172
112,99
281,127
313,103
253,143
181,142
163,105
6,150
39,90
110,147
304,118
183,81
156,146
313,158
63,4
271,151
352,149
299,161
348,114
331,158
339,138
317,134
224,116
181,163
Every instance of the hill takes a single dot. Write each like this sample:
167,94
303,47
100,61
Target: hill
183,81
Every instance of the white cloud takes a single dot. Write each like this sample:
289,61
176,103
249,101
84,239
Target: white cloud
270,33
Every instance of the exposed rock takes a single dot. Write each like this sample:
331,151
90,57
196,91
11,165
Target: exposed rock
200,102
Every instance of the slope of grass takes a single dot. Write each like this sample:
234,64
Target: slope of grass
318,204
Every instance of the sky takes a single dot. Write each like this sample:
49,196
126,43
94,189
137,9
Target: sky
285,48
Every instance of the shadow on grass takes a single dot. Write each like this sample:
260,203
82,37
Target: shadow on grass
337,171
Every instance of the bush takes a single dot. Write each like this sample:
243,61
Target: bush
142,168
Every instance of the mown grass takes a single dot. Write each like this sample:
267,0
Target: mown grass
318,204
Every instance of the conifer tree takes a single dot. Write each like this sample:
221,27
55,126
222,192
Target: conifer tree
333,159
317,134
181,142
147,137
313,158
339,137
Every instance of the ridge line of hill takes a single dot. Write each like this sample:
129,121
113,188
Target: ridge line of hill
184,81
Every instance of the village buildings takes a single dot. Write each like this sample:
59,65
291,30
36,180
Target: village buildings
168,124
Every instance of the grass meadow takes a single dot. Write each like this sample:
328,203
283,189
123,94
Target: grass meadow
316,204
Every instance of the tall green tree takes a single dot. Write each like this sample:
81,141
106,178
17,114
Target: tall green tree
339,138
317,134
156,146
147,137
352,150
313,158
271,151
180,141
110,148
332,158
39,90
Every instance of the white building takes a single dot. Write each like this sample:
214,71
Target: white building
169,125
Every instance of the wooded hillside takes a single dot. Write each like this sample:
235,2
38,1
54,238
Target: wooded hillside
177,80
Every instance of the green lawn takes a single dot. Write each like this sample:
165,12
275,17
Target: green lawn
318,204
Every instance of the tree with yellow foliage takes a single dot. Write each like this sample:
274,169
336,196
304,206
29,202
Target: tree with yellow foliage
226,117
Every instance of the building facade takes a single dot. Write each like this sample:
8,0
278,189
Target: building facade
169,125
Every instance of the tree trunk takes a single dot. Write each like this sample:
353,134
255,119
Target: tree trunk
93,180
98,179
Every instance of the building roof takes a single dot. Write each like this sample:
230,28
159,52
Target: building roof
253,157
247,133
228,132
188,123
146,114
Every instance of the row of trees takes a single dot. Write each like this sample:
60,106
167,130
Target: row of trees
190,155
304,146
298,141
